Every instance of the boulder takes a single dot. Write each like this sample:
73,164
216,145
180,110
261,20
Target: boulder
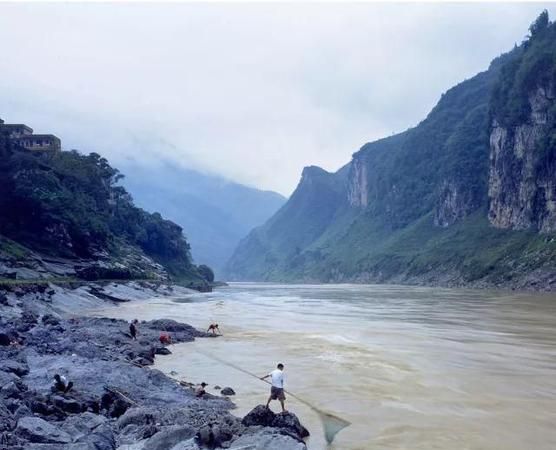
169,437
172,326
259,415
162,351
11,366
266,439
136,416
82,424
228,391
68,405
101,439
290,422
38,430
10,390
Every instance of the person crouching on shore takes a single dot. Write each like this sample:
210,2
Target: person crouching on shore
277,385
61,384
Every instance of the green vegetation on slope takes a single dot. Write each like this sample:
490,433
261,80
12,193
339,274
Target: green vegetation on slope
427,188
68,204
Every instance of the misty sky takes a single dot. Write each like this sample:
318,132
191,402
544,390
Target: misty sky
252,92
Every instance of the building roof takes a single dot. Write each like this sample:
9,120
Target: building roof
16,125
38,136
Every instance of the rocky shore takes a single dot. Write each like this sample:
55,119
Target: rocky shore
117,400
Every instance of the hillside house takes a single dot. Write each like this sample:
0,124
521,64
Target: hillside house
23,136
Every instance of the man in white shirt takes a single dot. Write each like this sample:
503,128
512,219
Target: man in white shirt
277,385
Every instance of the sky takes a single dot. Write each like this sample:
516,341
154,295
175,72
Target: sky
251,92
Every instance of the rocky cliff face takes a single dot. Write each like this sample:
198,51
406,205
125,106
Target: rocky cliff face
454,203
358,187
522,189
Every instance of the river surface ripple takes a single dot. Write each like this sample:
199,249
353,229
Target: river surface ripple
410,367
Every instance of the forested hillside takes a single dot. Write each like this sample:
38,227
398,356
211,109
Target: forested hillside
467,197
68,205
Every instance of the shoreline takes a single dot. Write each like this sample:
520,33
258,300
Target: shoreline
117,401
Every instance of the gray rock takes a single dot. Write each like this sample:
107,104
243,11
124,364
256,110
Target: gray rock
267,440
38,430
101,439
10,390
67,404
136,416
228,391
169,437
17,368
190,444
82,424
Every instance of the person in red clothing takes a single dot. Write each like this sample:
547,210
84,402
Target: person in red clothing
165,338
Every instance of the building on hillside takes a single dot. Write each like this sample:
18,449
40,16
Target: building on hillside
23,136
39,142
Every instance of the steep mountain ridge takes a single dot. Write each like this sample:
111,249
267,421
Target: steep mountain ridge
458,200
214,212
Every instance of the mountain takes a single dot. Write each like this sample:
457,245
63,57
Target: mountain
64,215
467,197
216,213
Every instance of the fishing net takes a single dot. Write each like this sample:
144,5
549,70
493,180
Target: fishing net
331,424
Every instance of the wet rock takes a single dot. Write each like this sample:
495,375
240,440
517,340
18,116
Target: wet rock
169,437
228,391
38,430
172,326
217,387
162,351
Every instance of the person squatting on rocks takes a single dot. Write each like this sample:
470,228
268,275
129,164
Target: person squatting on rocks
277,385
200,390
214,328
165,338
133,329
61,384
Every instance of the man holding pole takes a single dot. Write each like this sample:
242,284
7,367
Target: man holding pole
277,385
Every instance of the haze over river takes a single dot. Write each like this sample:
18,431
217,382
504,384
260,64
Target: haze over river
410,367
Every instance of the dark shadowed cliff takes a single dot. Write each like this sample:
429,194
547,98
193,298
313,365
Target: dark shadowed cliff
467,197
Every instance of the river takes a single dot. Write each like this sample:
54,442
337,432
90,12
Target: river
409,367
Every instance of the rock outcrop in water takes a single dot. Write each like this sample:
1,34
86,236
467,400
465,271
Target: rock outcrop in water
465,198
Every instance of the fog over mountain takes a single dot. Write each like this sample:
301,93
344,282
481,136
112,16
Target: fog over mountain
252,92
214,213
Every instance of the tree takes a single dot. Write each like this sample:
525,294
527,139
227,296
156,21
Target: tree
541,23
206,272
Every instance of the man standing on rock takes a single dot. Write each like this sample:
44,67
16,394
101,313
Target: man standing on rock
133,329
277,385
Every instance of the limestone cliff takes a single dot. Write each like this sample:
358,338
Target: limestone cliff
522,188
